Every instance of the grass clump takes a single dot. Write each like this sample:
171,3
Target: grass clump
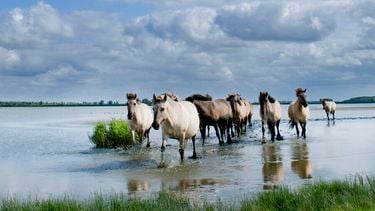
115,133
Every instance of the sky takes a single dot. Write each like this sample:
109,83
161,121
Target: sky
88,50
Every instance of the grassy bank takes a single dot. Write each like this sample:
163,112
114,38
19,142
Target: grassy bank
356,194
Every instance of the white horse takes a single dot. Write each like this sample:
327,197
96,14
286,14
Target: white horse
298,112
140,118
270,113
329,106
179,120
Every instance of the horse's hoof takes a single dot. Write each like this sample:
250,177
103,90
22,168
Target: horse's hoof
162,149
193,156
221,143
162,165
279,138
263,141
148,145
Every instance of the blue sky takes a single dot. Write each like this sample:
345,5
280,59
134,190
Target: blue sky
101,49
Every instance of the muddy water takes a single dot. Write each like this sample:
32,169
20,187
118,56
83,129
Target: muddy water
46,152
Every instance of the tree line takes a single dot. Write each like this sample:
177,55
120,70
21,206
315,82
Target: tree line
46,103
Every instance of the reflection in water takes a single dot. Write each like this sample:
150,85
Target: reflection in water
135,185
189,183
330,123
273,170
301,165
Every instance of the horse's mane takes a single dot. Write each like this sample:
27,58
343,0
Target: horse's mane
300,91
131,96
193,97
169,95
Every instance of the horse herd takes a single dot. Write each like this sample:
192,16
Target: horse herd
182,120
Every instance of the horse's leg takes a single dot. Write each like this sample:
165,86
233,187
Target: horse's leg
333,115
147,134
327,115
140,137
250,122
231,125
182,147
263,129
163,145
278,137
297,130
203,133
238,126
218,134
208,131
194,156
271,127
303,126
227,127
133,136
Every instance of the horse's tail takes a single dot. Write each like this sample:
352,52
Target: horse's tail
291,124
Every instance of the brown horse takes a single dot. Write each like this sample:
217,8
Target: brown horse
205,97
242,110
298,112
270,113
216,113
329,106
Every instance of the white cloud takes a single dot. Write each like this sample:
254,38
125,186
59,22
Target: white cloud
8,58
185,47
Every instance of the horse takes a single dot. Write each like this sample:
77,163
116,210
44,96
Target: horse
298,112
270,113
206,97
140,117
216,113
329,106
242,111
179,120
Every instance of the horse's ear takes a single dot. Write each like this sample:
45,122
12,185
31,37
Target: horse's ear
304,91
271,99
165,97
127,95
154,97
135,96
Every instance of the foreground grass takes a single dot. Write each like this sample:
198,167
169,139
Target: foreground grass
355,194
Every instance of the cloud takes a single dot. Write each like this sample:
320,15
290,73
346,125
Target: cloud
8,58
276,21
35,26
187,47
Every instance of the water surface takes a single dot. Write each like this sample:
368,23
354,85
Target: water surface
47,152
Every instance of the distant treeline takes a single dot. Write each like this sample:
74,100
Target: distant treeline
51,104
364,99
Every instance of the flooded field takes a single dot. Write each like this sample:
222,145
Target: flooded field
47,152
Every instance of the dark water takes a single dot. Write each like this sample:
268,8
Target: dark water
47,152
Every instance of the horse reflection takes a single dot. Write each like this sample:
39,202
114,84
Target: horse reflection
135,185
273,170
301,165
191,183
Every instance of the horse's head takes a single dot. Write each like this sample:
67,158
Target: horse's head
235,102
264,98
160,113
301,95
132,103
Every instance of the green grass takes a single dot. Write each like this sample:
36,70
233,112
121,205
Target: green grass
355,194
115,133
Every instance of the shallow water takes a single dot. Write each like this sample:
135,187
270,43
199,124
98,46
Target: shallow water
47,152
